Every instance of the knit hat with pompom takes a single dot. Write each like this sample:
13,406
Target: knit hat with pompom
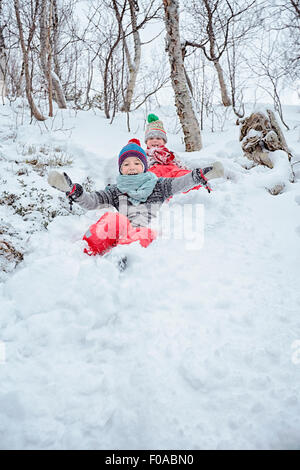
155,128
133,149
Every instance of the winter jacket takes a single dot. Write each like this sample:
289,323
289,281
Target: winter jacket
165,157
144,213
163,162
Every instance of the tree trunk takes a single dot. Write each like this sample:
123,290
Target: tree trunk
183,102
52,78
35,111
20,81
225,98
49,63
134,66
106,90
212,46
2,65
55,27
2,59
105,87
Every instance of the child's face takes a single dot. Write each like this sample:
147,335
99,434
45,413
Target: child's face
155,142
132,166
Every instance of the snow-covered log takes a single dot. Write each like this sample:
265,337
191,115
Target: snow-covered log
263,142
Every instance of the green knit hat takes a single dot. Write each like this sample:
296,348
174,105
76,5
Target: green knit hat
155,128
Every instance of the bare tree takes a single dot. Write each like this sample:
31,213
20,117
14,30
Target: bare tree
139,15
287,13
267,64
55,36
3,58
133,64
213,21
25,51
88,52
203,80
46,23
152,81
108,34
114,43
234,55
71,47
183,102
107,73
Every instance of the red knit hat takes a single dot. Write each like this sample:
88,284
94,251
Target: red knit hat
133,149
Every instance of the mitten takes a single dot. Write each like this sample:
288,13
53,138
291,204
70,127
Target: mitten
214,171
209,173
63,182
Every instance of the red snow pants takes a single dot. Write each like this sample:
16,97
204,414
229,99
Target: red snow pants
114,229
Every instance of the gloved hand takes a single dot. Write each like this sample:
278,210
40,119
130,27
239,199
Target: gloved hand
76,189
203,180
63,182
210,172
216,170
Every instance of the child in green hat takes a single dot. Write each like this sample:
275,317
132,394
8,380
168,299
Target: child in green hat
162,161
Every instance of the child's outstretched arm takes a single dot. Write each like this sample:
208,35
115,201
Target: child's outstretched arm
172,186
76,193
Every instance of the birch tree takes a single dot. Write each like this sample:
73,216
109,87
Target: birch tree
138,17
183,101
2,57
46,21
132,64
25,51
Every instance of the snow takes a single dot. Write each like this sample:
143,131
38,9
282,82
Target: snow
253,133
187,349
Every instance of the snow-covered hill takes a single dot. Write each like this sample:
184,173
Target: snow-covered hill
188,348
